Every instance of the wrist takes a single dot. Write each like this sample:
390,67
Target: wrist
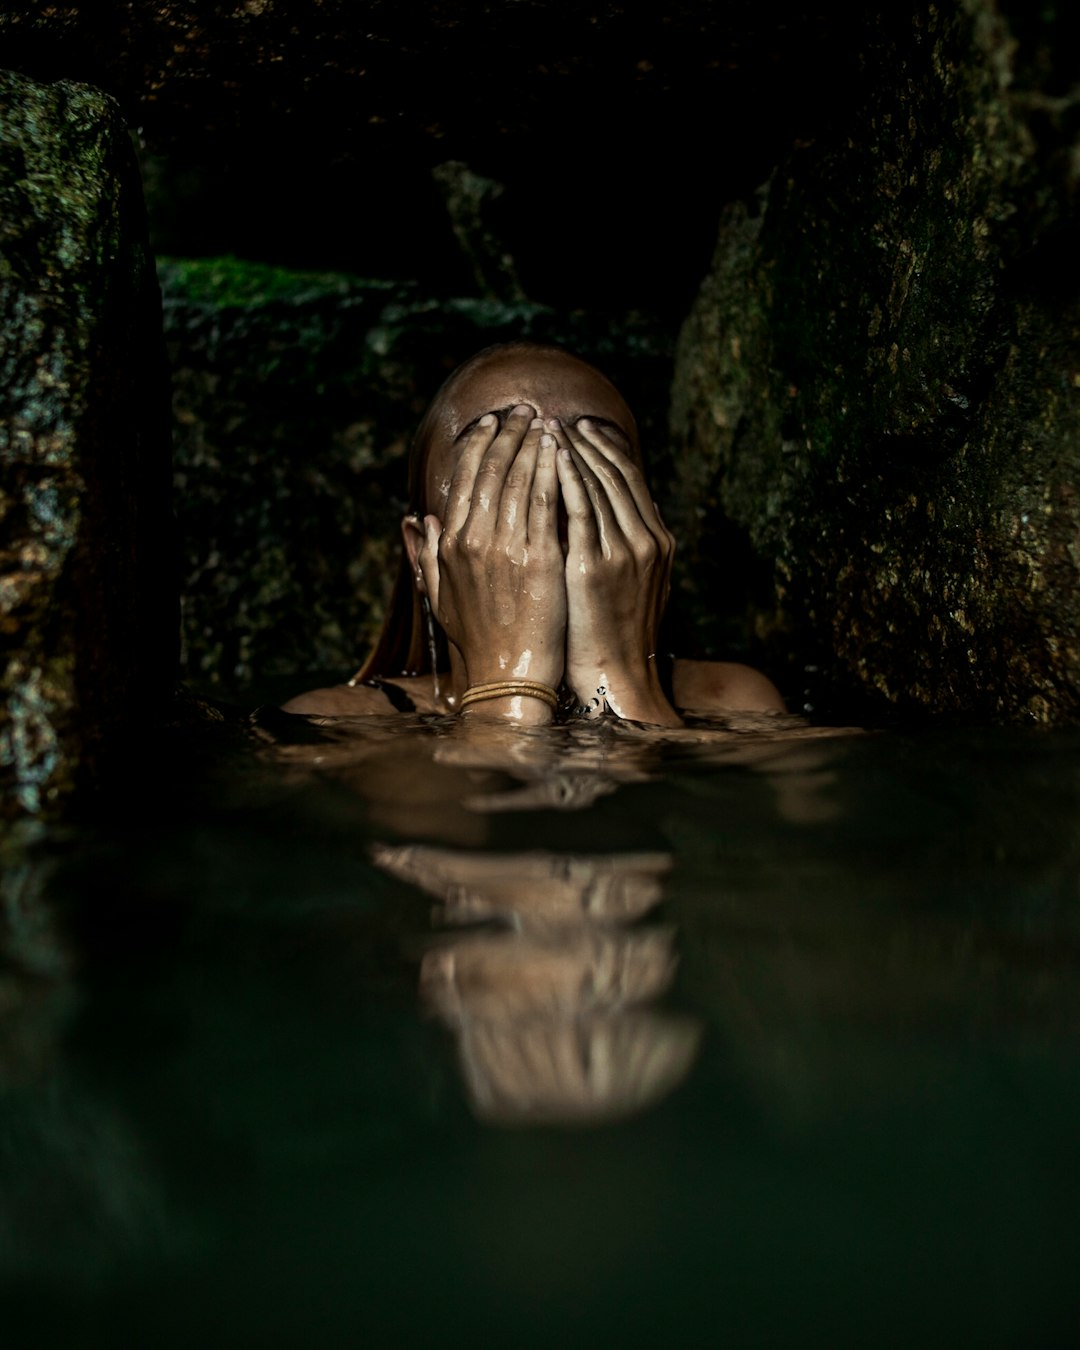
517,709
634,694
526,702
546,673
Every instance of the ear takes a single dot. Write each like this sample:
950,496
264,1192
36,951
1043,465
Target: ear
412,533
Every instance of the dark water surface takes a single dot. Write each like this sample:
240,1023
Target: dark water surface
369,1034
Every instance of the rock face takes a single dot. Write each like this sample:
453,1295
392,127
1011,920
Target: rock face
879,384
581,112
295,398
87,615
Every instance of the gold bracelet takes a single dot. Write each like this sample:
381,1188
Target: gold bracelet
480,693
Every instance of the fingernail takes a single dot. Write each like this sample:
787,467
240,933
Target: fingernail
522,410
487,420
584,424
536,422
547,441
552,424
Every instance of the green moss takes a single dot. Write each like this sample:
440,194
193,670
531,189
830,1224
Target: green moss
231,282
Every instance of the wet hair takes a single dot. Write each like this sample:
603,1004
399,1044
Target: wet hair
410,640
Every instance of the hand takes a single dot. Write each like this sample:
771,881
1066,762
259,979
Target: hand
618,576
494,569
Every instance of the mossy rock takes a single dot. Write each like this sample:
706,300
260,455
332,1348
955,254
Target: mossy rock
87,600
877,405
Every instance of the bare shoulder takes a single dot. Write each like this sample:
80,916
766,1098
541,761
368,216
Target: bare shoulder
362,700
718,685
340,700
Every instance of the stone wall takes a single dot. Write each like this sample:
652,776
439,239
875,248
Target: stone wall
87,586
876,411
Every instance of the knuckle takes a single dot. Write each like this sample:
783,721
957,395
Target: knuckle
644,548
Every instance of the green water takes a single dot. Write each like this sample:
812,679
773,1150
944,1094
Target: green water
740,1036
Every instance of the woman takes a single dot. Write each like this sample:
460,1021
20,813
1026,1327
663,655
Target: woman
535,561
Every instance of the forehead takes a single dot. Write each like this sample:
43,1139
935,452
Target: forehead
554,383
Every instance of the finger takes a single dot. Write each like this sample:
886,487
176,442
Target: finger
544,501
621,480
460,494
663,525
604,517
491,473
428,559
582,529
604,520
518,485
614,447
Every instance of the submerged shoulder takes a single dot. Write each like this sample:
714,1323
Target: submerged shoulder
413,693
724,685
340,700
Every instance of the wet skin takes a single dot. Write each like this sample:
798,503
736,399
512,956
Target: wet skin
554,385
543,556
519,435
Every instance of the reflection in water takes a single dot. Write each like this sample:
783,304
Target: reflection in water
591,1070
549,1009
503,977
532,889
76,1191
421,777
36,994
222,1122
549,1004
